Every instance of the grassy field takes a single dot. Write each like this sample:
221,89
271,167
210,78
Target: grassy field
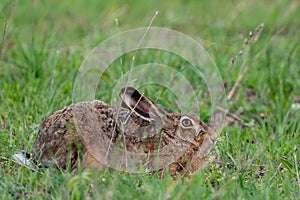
45,42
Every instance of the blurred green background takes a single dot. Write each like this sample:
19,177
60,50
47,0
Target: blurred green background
43,44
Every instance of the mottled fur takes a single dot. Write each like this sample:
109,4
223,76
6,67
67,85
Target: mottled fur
99,135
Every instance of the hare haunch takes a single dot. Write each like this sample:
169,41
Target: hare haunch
121,138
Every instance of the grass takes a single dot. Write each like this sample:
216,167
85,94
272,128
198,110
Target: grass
46,42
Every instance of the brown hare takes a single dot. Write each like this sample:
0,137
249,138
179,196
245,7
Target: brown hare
114,137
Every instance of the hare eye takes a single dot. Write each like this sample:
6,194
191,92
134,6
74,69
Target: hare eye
186,122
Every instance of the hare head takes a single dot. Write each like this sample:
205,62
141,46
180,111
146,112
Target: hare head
182,131
188,127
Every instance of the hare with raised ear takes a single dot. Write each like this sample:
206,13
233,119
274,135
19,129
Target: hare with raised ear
119,138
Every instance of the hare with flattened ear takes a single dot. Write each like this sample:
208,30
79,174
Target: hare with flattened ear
110,136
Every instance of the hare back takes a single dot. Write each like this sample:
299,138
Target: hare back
58,142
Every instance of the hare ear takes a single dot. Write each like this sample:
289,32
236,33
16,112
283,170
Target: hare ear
140,104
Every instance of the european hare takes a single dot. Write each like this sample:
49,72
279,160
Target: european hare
121,138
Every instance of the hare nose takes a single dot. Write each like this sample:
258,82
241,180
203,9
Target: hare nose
198,131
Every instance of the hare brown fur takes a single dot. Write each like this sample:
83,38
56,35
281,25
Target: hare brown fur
95,134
